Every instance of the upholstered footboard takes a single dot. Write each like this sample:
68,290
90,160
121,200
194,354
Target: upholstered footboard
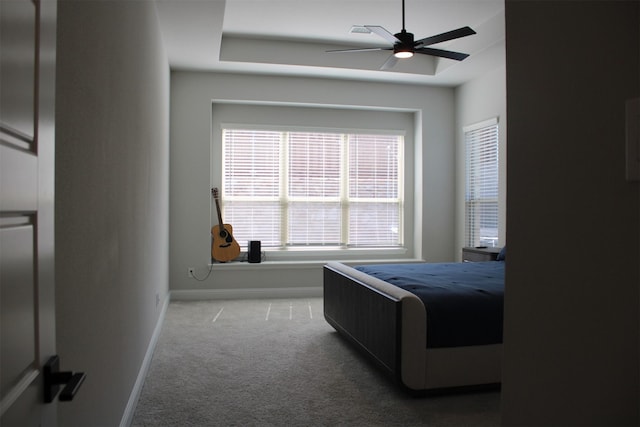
389,325
384,321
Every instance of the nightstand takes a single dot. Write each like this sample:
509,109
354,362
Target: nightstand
480,254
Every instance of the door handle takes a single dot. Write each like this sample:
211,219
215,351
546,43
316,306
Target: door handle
53,378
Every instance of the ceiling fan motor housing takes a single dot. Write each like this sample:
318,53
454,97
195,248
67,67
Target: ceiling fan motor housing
406,43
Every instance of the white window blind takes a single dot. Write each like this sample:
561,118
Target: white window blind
481,195
295,188
373,190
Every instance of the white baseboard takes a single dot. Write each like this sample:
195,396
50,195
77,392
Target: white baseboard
129,412
246,293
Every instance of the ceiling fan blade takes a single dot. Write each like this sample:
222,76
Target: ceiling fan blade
383,33
389,63
449,35
442,53
364,49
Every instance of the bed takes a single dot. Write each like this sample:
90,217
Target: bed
431,326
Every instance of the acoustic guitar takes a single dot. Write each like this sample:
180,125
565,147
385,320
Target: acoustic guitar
223,246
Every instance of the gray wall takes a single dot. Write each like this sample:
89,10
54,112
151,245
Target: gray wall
572,290
192,94
112,171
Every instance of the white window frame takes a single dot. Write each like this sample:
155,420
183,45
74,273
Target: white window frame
473,134
312,252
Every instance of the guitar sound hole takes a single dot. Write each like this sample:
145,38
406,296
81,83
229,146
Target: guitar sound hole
227,238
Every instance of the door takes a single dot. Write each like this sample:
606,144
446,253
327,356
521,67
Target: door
27,311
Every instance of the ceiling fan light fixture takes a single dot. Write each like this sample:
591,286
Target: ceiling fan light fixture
403,54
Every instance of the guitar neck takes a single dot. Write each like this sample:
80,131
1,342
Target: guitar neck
219,213
214,193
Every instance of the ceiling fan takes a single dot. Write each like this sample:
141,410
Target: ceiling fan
404,46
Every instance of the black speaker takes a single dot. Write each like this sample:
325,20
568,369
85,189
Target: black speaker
254,254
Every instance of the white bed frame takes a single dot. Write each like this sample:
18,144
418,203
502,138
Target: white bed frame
389,325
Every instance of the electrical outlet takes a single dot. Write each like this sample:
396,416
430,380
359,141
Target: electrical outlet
190,272
157,300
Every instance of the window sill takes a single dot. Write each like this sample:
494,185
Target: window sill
306,258
293,265
320,255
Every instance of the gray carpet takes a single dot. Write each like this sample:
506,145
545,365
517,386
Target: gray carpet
276,363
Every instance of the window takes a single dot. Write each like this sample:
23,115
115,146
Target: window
481,194
294,189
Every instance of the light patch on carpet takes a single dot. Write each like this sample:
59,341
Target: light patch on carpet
274,310
281,310
217,315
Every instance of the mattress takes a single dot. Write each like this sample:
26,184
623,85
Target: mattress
464,301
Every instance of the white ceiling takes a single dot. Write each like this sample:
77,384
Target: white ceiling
290,37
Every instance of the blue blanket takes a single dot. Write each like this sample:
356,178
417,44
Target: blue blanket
464,301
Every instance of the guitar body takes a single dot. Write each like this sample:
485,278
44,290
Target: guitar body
224,246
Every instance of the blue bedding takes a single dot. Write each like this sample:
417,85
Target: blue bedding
463,300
